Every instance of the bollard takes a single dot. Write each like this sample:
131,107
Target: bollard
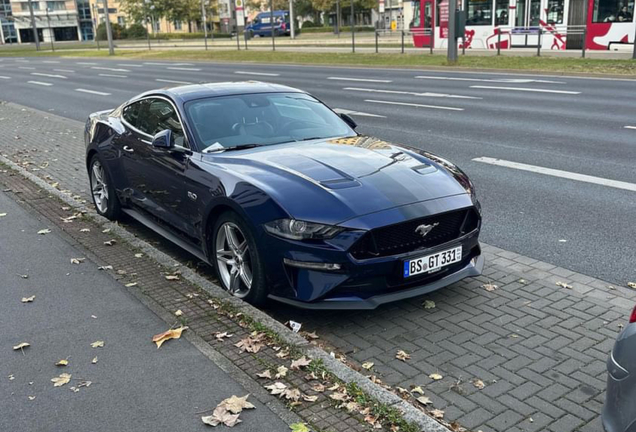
463,45
539,44
402,41
432,42
238,40
245,37
376,41
499,42
584,39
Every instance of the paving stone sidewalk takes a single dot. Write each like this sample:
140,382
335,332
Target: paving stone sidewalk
539,348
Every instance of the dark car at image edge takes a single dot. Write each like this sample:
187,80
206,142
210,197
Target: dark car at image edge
282,197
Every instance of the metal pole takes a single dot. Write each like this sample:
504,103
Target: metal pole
499,41
539,44
583,47
205,25
353,29
95,25
291,19
633,53
464,44
271,23
245,36
238,39
338,18
109,31
148,33
402,41
34,27
451,55
376,41
432,43
48,21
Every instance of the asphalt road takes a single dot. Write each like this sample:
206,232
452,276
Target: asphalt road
581,215
135,387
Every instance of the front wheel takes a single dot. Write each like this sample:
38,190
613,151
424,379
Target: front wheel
237,259
102,190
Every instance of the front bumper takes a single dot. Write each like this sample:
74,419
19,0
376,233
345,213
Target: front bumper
619,410
473,268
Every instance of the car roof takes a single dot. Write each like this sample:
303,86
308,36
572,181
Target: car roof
189,92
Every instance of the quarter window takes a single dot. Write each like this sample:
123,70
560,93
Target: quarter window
613,11
501,12
479,12
131,113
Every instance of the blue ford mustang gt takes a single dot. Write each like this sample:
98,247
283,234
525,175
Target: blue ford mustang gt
283,197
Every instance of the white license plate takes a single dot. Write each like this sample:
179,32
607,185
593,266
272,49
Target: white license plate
431,263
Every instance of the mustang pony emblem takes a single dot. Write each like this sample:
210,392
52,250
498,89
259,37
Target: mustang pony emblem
423,230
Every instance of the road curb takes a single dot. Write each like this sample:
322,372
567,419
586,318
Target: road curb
339,369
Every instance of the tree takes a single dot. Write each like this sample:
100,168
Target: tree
184,10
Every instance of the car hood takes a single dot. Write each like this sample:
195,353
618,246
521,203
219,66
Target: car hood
333,180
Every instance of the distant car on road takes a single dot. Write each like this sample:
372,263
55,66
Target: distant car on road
283,197
261,25
619,411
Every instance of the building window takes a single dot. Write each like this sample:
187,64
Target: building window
157,26
613,11
501,12
25,6
121,21
479,12
55,5
177,25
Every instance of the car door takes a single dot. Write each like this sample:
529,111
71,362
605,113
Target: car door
131,146
158,173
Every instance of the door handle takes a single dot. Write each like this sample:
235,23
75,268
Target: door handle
128,149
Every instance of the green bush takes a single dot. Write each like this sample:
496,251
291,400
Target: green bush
115,28
198,35
310,24
135,31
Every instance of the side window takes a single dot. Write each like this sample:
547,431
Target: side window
160,115
131,113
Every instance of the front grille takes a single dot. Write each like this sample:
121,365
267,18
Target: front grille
400,238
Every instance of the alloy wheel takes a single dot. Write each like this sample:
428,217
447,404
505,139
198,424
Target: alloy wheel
99,188
233,260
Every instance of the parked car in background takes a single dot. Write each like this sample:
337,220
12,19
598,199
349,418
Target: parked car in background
619,411
262,27
283,197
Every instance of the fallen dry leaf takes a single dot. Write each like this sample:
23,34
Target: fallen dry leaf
308,398
311,335
281,372
367,365
292,394
173,277
221,416
318,388
339,396
417,389
98,344
44,231
160,338
106,267
265,374
283,354
31,398
77,260
564,285
178,313
631,285
139,255
106,231
94,361
85,230
131,284
300,363
252,344
220,336
62,362
435,376
21,346
489,287
402,355
437,413
3,214
429,304
28,299
110,242
424,400
478,383
59,381
278,388
236,404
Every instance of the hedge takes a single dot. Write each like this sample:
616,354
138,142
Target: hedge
343,29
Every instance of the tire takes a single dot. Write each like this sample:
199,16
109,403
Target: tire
102,190
250,265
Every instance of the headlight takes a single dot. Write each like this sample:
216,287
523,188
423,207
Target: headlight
301,230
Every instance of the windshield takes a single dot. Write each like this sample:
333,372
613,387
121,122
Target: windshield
262,119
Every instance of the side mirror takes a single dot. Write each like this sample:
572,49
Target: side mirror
348,120
163,139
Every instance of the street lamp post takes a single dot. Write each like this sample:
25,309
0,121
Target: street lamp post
95,24
353,29
35,29
205,25
291,19
48,22
452,36
271,24
109,31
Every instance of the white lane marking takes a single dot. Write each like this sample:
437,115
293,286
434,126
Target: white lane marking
359,79
173,81
110,69
26,67
40,83
256,73
414,105
356,113
85,63
425,94
48,75
558,173
113,76
184,69
630,127
64,70
50,61
503,80
129,65
92,92
156,64
525,89
4,77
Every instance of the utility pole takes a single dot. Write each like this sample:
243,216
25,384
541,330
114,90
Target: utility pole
353,29
95,19
205,25
271,23
452,37
109,31
34,27
48,21
291,19
338,18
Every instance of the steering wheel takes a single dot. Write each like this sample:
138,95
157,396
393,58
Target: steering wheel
288,124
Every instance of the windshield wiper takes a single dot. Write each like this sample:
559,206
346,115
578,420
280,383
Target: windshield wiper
238,147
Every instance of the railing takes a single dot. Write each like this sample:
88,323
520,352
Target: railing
401,36
540,31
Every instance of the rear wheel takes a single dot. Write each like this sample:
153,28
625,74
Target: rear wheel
102,190
237,259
